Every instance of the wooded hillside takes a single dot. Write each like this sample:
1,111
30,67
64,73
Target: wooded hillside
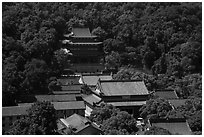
163,39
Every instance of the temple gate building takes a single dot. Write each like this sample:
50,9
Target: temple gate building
87,53
127,95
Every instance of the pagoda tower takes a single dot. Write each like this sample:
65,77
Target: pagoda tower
87,53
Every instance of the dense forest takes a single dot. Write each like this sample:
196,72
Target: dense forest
160,43
164,40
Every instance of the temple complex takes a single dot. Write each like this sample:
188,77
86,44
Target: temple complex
87,53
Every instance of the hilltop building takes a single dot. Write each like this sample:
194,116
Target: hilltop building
178,126
92,79
165,93
65,106
11,114
127,95
77,125
87,53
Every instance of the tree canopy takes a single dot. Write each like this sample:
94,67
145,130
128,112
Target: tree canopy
161,38
120,124
113,121
41,120
155,108
157,131
159,43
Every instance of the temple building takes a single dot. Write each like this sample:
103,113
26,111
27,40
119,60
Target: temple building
92,79
165,93
176,126
127,95
87,54
77,125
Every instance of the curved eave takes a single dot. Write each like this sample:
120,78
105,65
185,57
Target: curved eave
94,43
83,36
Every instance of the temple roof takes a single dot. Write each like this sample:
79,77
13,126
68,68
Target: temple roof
91,99
177,102
56,98
122,87
69,80
74,87
81,32
15,110
175,125
21,108
166,94
92,80
67,92
127,103
69,105
85,43
78,123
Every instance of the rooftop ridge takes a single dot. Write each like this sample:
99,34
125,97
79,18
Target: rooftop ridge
94,74
178,99
72,85
167,120
81,31
21,106
92,36
161,90
135,80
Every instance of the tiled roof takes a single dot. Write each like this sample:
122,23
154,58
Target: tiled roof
61,105
25,104
78,122
56,98
82,36
86,52
69,105
71,87
14,110
92,99
123,87
177,102
174,126
66,92
81,32
87,43
60,126
166,94
69,80
92,80
129,103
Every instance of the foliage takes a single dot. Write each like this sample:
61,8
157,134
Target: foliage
137,74
189,85
54,85
120,124
113,60
164,38
104,112
186,86
157,131
20,127
86,90
100,33
41,120
160,43
195,121
36,75
61,59
113,121
155,108
192,111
